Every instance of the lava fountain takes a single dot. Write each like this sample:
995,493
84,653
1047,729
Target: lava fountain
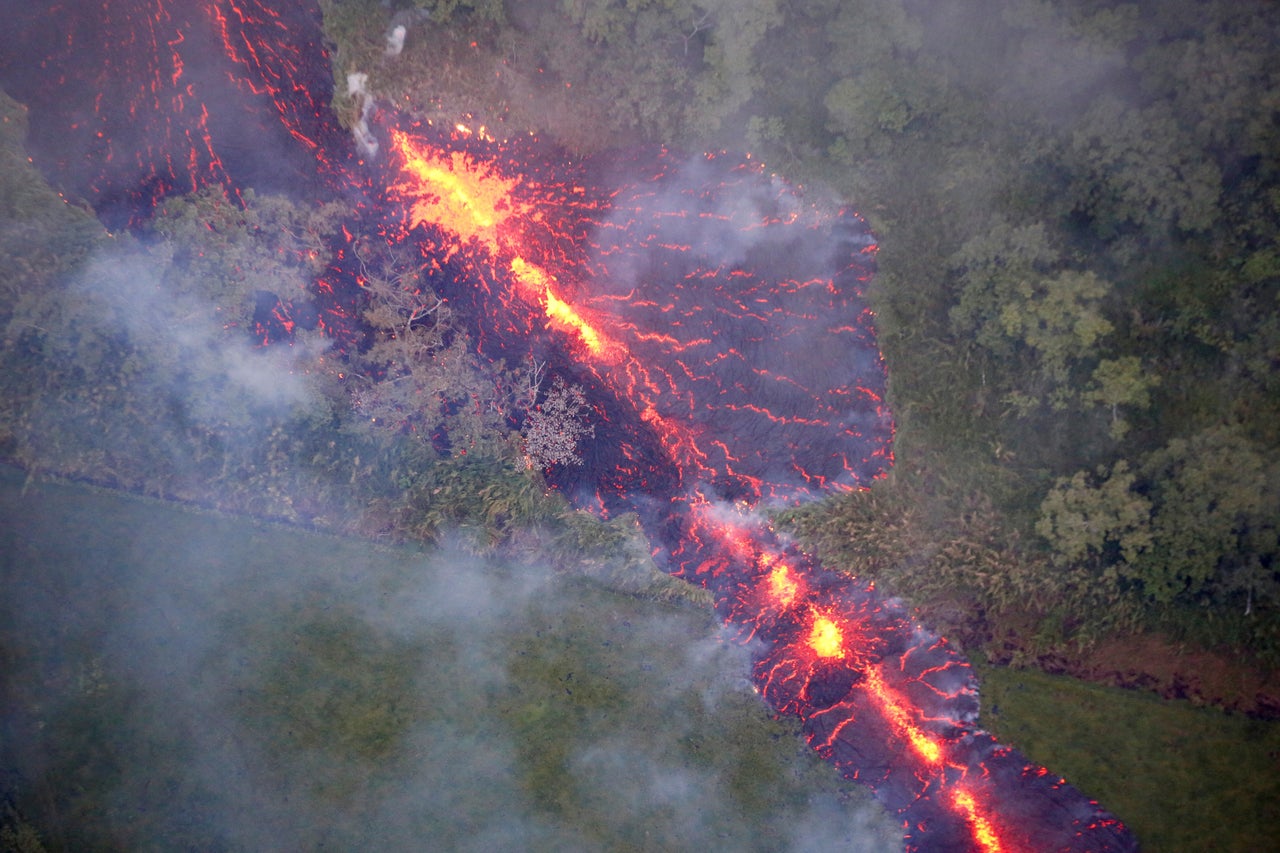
715,319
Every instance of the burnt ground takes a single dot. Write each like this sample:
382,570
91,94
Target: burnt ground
1219,678
1174,671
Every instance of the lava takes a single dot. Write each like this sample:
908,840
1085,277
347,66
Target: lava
715,318
983,833
740,320
825,638
227,93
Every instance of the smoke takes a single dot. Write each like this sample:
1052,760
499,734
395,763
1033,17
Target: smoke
143,375
395,40
697,203
188,681
200,364
357,88
743,304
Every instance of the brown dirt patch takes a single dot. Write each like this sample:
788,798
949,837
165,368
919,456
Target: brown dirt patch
1212,678
1174,671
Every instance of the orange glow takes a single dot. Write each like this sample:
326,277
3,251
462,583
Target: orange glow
536,284
783,587
825,638
984,834
924,745
560,311
452,191
473,201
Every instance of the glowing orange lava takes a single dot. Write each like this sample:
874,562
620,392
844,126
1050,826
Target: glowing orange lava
783,588
450,190
473,201
825,638
984,834
892,705
536,284
828,663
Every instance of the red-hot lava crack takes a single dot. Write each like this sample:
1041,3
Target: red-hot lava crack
134,101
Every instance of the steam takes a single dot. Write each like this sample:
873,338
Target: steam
395,40
210,369
723,228
358,89
179,373
765,340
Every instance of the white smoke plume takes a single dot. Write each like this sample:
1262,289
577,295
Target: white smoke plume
358,89
395,40
252,684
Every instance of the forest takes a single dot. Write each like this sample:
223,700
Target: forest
1077,208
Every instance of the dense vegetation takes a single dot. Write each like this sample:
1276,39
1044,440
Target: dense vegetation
1077,213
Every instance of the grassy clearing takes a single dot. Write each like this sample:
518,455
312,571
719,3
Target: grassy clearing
1184,778
171,677
176,679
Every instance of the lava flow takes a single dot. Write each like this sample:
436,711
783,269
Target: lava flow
225,93
715,320
720,326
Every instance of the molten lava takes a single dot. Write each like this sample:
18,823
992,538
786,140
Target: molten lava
825,638
983,832
227,93
716,320
452,191
783,587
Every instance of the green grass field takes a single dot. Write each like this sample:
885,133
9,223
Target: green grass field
1183,778
174,679
171,678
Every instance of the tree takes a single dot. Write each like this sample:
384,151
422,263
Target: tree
227,252
1215,529
554,428
1096,519
443,11
1139,167
1060,319
1117,382
1019,302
